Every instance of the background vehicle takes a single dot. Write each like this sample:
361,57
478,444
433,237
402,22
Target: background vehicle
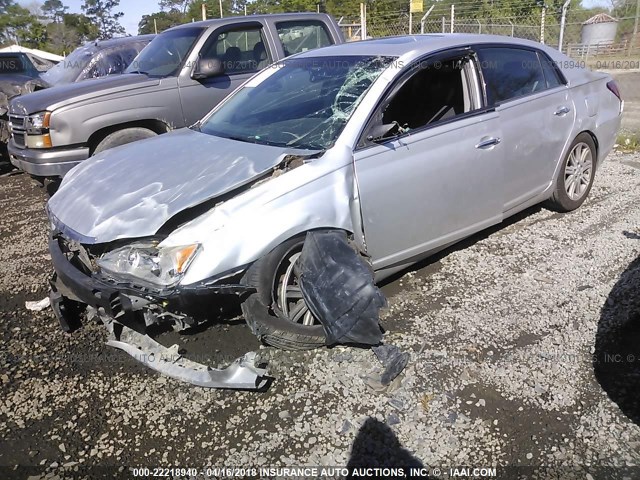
175,81
96,59
19,73
338,140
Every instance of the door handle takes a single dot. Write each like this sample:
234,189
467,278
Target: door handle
488,142
562,111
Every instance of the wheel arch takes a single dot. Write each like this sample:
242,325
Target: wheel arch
156,126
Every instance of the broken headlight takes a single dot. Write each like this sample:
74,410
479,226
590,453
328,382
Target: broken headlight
149,263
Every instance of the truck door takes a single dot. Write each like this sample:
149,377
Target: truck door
243,50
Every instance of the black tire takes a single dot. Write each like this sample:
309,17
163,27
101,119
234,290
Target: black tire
260,309
122,137
560,201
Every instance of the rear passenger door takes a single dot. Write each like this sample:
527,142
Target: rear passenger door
536,117
243,49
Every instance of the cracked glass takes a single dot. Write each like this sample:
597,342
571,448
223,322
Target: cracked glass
305,103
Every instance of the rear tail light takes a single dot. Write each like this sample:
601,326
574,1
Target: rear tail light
613,87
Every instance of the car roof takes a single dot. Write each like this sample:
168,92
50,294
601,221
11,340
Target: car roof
411,46
114,42
276,17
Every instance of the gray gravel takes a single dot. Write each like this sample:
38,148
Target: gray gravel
512,338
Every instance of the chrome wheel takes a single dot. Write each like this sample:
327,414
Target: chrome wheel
578,171
289,296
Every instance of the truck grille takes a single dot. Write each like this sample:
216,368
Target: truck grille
17,129
18,139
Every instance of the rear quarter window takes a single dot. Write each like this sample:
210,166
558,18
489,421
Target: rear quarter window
551,74
510,73
302,35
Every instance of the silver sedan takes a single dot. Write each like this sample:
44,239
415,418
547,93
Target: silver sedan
400,146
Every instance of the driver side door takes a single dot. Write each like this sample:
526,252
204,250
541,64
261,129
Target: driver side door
242,49
437,175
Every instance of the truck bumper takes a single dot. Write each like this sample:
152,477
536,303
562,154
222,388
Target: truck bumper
46,163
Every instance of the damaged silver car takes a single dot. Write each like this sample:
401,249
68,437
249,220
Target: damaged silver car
321,170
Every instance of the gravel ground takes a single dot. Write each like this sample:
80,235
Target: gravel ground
524,345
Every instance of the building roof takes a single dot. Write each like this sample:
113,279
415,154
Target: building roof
600,18
36,53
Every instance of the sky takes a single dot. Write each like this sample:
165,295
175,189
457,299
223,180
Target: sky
134,9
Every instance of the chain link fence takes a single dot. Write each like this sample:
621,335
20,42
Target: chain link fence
544,27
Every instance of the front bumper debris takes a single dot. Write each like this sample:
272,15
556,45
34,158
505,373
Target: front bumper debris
241,374
119,308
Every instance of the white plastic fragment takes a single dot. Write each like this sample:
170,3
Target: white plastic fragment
39,305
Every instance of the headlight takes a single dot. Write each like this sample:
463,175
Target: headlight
37,127
38,123
145,261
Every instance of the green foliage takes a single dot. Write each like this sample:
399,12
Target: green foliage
163,20
101,13
17,24
55,10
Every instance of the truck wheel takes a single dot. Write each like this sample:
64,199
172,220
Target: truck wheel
576,175
277,313
122,137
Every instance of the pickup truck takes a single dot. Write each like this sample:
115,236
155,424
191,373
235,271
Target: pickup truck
179,77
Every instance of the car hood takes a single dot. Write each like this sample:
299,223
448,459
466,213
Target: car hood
131,191
50,99
11,84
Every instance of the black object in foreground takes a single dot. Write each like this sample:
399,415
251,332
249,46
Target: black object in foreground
338,286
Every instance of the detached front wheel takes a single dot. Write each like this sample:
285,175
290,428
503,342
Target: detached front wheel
277,313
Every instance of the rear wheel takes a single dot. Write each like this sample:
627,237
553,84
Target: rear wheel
277,313
122,137
576,175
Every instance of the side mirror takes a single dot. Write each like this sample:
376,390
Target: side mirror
207,68
380,131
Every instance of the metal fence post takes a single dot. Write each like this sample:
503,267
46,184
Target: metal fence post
443,24
424,18
453,9
479,27
563,21
513,28
542,18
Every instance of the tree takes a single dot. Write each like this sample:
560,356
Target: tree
174,5
18,24
101,13
86,29
55,10
61,39
163,20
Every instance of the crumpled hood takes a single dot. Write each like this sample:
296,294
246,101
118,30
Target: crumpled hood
131,191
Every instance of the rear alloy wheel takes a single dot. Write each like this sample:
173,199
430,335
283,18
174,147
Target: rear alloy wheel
277,312
576,175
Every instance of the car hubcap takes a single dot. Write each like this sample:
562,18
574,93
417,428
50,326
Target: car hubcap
578,171
290,300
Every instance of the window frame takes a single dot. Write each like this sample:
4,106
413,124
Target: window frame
234,28
539,55
302,22
475,82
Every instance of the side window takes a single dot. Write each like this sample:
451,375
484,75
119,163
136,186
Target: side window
551,75
434,92
510,73
302,35
241,51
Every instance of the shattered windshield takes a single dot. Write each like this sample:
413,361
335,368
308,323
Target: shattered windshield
165,54
302,103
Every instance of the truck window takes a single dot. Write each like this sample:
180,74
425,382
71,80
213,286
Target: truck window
302,35
240,50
